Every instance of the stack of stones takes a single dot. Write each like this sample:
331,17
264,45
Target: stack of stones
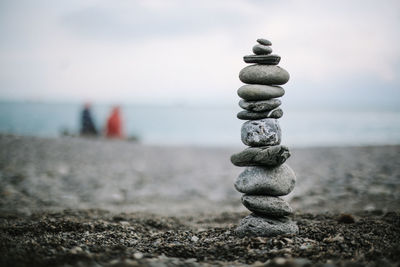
266,177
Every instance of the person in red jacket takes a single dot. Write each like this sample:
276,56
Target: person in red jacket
114,124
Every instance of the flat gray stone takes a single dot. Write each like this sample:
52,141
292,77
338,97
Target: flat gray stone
265,132
260,49
254,225
268,156
262,59
259,92
264,41
257,106
266,181
264,74
248,115
266,205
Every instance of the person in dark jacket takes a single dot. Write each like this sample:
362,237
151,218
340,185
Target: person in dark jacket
87,126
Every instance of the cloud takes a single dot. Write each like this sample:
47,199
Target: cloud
145,19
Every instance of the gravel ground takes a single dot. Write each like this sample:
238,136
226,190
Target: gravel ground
78,202
99,238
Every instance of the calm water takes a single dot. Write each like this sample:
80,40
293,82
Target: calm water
207,126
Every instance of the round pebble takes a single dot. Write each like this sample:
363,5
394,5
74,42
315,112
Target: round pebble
267,205
269,156
260,92
275,181
265,132
248,115
264,74
256,225
260,49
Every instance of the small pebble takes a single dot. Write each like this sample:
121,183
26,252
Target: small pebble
138,255
76,250
260,49
346,218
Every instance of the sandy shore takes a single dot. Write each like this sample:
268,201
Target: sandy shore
122,188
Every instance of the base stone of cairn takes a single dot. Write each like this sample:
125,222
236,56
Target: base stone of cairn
266,176
258,225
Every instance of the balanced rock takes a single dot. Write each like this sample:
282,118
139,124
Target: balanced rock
257,106
260,49
267,205
268,156
275,181
248,115
260,92
264,41
254,225
264,74
262,59
265,132
266,176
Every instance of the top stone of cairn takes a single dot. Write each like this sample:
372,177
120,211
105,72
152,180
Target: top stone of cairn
264,41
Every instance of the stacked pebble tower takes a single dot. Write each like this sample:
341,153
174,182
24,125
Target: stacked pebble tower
266,177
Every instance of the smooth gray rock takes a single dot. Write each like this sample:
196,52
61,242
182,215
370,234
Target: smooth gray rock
264,41
266,205
254,225
265,132
268,156
264,74
267,181
248,115
257,106
262,59
260,49
260,92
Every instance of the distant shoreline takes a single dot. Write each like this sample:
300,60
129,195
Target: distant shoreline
137,141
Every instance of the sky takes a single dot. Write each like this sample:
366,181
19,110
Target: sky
339,53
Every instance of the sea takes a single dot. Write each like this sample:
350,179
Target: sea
205,125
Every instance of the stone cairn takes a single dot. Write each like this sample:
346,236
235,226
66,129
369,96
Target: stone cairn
266,177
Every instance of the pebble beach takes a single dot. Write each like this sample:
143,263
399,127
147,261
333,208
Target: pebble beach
78,202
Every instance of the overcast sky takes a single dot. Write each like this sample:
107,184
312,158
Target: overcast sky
339,53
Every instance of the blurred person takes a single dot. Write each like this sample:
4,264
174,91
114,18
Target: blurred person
114,124
87,125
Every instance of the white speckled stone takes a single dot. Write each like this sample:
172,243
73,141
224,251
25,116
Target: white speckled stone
265,132
255,225
267,181
264,74
267,205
